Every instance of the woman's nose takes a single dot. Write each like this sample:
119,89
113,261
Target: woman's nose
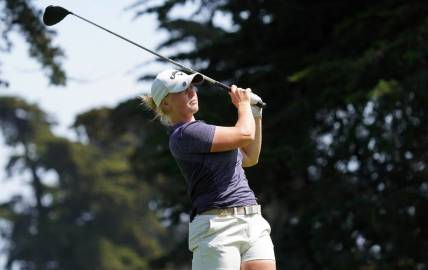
191,91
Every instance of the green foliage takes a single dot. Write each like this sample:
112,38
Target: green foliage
344,149
96,215
21,16
344,156
114,257
384,88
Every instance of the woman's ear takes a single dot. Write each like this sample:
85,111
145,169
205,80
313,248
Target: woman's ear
165,104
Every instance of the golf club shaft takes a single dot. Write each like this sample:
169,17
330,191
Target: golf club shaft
210,80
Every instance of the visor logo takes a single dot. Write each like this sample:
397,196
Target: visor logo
175,73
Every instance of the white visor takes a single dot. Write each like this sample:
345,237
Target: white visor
172,81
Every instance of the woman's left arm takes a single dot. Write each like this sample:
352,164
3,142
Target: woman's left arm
251,152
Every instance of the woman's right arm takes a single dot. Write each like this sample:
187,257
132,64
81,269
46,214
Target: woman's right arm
243,133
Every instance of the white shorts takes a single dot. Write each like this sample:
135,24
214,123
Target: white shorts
223,242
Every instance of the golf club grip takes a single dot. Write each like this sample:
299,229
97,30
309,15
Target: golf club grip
226,87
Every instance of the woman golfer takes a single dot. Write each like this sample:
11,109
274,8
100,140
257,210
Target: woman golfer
227,230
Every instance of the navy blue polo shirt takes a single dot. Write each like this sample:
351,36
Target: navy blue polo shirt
215,180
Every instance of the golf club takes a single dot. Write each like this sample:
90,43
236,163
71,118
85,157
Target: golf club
55,14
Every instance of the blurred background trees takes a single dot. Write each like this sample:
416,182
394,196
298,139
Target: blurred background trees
22,17
342,175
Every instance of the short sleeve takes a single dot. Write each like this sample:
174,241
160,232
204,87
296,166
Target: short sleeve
196,137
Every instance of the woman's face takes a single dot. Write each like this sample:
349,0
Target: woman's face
182,105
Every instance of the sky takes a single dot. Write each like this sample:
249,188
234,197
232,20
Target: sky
102,68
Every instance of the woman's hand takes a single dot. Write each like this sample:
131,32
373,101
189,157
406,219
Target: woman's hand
240,96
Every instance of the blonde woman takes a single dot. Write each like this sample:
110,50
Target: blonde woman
227,230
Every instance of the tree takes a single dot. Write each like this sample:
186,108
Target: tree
95,217
25,127
344,157
97,214
22,17
153,168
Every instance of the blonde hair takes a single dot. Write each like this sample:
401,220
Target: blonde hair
150,104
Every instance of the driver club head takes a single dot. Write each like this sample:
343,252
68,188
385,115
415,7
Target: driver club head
54,14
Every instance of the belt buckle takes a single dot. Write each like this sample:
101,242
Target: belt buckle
223,213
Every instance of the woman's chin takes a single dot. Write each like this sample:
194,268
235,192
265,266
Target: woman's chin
194,107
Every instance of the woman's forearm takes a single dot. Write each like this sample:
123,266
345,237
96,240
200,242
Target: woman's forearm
252,151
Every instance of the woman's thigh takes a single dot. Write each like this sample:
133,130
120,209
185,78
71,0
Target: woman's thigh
258,265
